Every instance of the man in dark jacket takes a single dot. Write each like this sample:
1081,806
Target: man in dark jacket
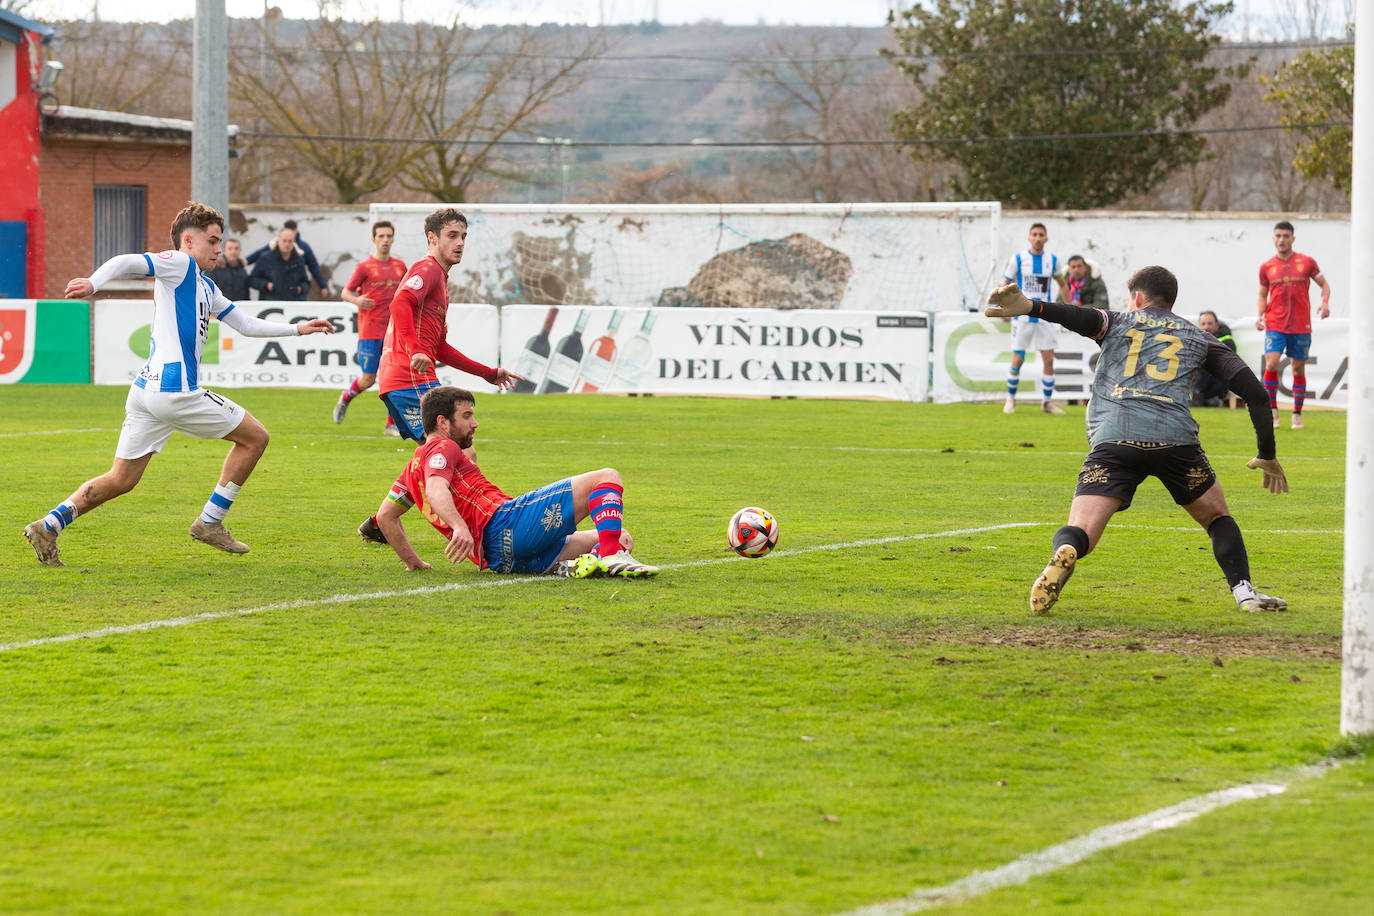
1085,285
281,274
311,263
230,274
1208,390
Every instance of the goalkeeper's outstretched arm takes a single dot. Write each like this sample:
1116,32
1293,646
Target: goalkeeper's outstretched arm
1007,301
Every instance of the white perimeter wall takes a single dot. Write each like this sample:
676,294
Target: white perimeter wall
1216,256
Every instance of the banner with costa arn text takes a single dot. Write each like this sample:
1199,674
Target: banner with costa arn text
784,353
231,360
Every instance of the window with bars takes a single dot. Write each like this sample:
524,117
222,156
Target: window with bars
119,220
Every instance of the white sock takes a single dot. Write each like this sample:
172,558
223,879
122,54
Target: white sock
219,503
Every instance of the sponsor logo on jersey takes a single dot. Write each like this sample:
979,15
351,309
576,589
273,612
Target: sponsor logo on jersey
166,255
416,282
437,461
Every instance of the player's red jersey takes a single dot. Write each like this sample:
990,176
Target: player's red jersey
475,497
419,324
376,280
1289,309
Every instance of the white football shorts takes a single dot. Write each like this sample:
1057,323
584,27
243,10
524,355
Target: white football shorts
150,418
1030,335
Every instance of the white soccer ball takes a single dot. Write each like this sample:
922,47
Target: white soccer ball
752,532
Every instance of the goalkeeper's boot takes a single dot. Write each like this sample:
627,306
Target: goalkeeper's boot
1045,591
216,535
44,541
1249,600
340,408
371,531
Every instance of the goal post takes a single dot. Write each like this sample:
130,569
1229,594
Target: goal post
871,256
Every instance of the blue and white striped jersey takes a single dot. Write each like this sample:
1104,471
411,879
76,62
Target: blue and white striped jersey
184,301
1034,273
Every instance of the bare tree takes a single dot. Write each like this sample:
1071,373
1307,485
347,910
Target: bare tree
322,91
124,66
830,87
485,87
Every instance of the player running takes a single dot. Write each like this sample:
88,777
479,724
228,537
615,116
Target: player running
166,395
533,533
418,336
1139,425
371,288
1285,316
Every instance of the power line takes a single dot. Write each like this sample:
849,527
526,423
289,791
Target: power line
706,143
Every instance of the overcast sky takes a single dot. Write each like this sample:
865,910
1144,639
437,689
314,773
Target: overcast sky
1263,14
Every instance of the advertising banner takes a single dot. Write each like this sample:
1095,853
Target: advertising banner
971,357
774,352
43,342
316,361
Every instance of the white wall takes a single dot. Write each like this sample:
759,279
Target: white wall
1216,256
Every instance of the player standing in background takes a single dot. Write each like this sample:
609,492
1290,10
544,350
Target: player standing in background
534,533
1285,316
418,336
166,396
1032,269
1139,425
371,288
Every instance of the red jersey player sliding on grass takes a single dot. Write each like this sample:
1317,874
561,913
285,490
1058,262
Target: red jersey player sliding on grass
534,533
418,336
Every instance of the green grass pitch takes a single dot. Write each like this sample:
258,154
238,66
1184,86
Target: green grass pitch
869,710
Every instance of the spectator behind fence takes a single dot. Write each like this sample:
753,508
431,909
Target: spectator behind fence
230,273
1084,284
307,253
1208,390
281,274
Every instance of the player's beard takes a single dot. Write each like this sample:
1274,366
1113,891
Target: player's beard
465,442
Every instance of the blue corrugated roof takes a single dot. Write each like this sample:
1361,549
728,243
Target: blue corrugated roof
13,26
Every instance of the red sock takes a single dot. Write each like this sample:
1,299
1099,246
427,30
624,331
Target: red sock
1299,392
1271,385
605,506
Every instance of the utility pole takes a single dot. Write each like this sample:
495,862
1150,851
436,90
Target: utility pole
210,107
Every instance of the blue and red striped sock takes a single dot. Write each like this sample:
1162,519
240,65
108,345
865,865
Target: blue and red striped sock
1271,385
605,505
1299,392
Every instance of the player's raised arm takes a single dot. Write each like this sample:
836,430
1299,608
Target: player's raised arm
121,265
1007,301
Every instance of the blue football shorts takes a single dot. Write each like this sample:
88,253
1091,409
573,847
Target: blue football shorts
369,355
404,406
526,534
1295,346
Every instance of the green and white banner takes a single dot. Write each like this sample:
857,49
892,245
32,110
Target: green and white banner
45,342
316,361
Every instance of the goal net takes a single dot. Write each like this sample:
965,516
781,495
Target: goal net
894,257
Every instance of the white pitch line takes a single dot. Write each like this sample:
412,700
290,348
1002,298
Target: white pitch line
57,432
1053,858
501,582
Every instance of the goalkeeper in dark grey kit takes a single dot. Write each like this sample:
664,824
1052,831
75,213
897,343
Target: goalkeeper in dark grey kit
1139,426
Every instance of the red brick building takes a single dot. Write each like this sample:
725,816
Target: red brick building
23,81
109,183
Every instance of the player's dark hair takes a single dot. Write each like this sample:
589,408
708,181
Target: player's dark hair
194,216
441,218
382,224
1040,226
440,402
1158,284
1284,224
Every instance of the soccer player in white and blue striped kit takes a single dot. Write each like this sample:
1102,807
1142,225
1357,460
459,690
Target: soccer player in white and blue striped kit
166,396
1034,270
